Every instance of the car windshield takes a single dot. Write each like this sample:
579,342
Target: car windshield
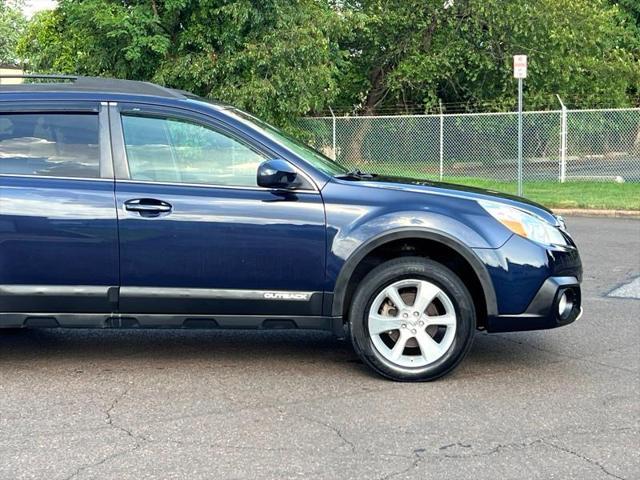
313,157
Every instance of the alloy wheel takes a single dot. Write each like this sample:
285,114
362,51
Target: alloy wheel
412,323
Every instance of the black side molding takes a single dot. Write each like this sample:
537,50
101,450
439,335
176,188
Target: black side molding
186,321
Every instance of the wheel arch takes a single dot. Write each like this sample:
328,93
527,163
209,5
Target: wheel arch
344,286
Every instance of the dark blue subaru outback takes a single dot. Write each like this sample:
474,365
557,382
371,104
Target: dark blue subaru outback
128,205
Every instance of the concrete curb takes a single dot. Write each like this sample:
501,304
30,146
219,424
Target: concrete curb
584,212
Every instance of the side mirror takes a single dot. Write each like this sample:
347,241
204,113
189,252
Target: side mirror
277,173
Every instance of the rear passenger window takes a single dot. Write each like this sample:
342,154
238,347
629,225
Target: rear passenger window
49,144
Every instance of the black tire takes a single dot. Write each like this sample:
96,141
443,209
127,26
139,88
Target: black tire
420,268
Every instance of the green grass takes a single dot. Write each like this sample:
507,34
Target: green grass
572,194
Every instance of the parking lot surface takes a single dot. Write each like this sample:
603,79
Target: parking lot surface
132,404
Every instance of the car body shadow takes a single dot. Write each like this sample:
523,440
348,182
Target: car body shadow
228,349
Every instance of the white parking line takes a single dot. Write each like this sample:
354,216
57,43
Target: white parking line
628,290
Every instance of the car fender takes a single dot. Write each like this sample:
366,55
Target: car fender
352,246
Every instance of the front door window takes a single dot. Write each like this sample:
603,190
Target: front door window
178,151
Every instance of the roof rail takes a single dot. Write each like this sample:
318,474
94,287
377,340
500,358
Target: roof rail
39,76
75,83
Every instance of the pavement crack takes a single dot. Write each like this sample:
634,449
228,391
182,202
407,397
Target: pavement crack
138,440
335,430
78,471
540,441
416,459
457,444
224,411
583,457
497,449
110,421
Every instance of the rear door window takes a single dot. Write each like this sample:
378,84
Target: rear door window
50,144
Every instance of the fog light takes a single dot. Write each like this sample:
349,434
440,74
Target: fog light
565,304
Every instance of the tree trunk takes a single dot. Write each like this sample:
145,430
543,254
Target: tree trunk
353,152
354,155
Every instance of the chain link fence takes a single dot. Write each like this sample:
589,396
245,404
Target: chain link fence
558,146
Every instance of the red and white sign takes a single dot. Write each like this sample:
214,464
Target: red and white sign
520,66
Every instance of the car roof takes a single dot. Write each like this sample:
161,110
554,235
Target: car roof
80,84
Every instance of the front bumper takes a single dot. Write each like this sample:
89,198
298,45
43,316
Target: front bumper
529,280
546,310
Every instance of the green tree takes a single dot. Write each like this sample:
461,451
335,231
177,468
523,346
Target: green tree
276,58
284,58
408,52
411,54
631,7
94,37
12,24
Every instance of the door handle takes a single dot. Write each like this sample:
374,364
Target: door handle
147,206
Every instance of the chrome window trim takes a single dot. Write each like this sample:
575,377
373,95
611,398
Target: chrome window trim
55,177
208,185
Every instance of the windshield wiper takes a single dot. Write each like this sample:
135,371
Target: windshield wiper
356,174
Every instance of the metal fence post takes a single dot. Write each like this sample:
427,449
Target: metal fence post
520,191
441,141
333,133
563,141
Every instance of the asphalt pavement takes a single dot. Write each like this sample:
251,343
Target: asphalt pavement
564,403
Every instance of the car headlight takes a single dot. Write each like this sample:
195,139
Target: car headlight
524,224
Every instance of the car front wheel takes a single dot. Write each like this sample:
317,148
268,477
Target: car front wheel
412,319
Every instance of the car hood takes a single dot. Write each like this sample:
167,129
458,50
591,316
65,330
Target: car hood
459,191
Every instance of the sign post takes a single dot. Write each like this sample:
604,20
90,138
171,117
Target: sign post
520,72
